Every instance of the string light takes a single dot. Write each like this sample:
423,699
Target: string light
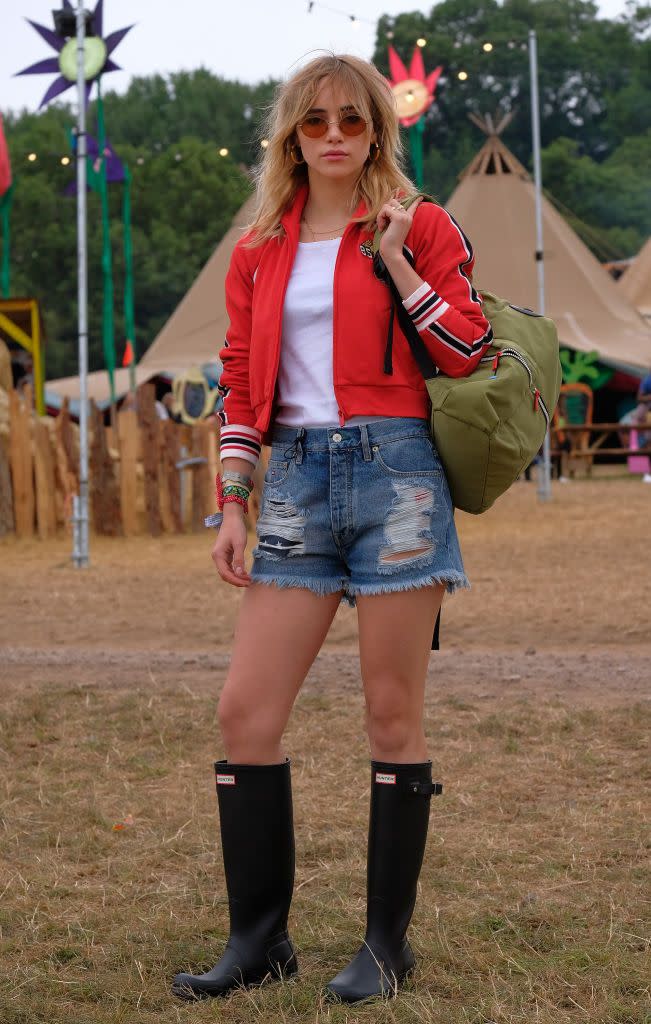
354,19
223,151
31,157
65,160
463,75
410,97
487,47
421,42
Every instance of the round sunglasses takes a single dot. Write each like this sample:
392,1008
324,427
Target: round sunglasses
315,127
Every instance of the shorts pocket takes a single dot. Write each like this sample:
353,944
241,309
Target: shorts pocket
408,456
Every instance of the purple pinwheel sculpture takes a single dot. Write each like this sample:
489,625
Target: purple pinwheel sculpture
97,55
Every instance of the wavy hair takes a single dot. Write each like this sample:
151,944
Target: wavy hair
277,178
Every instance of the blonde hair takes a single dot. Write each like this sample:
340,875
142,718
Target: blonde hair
278,178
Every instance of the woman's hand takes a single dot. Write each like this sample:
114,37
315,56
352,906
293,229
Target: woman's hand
397,222
228,552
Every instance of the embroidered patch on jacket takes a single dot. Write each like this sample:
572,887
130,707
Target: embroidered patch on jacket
225,780
386,778
366,249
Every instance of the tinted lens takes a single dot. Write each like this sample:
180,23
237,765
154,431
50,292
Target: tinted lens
314,127
352,124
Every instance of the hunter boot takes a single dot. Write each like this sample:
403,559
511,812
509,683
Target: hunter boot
400,803
257,831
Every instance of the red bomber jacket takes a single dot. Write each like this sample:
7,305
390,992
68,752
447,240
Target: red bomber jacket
446,310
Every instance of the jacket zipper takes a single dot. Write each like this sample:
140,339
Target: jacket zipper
340,409
538,401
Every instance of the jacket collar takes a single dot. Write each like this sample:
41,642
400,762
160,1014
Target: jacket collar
291,218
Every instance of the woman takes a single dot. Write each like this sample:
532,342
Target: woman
355,505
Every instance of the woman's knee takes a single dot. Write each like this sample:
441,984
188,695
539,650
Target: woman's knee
241,719
391,720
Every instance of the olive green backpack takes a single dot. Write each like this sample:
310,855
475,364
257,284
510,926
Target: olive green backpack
488,426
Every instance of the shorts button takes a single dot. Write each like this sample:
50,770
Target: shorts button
336,437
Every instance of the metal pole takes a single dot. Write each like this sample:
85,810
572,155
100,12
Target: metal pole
544,477
80,550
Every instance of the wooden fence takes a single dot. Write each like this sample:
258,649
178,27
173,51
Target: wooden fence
146,475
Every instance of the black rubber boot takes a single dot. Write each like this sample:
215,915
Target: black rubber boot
257,830
400,803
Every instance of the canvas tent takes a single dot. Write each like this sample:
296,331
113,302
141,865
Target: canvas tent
195,332
494,202
635,282
192,336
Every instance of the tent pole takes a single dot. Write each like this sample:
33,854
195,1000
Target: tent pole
544,477
80,526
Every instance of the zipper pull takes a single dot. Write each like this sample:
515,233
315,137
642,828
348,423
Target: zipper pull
496,361
536,398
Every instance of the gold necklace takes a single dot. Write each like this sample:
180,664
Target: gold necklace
315,233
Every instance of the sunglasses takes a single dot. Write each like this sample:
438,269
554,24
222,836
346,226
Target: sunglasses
315,127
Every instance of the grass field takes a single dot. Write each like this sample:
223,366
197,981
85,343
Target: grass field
534,895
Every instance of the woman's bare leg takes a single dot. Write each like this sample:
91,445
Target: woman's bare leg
395,637
279,632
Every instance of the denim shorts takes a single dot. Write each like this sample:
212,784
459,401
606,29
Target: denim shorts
361,509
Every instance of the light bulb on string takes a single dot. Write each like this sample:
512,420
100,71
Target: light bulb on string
487,47
354,21
223,151
421,42
462,76
65,160
31,157
410,97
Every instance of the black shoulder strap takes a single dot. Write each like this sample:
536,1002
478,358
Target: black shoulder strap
425,363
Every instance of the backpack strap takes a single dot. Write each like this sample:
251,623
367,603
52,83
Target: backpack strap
425,363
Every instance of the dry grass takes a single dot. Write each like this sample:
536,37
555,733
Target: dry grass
534,893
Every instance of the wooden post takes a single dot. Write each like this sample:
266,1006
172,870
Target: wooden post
104,490
6,495
46,513
148,422
169,473
128,440
20,459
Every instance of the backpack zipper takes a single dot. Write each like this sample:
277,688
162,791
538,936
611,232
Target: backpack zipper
538,401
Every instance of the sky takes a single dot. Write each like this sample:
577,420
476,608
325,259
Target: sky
247,40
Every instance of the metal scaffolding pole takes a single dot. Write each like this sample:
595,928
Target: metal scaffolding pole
544,476
80,515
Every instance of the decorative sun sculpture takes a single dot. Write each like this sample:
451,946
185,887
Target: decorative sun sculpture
414,93
413,90
97,55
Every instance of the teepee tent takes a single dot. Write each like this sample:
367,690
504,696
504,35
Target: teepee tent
494,203
195,332
635,282
191,337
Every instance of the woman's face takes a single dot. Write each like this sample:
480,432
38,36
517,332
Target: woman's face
335,155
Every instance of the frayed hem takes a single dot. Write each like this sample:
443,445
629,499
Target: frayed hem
322,588
453,581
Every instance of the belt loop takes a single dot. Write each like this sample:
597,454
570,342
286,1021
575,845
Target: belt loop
366,448
300,451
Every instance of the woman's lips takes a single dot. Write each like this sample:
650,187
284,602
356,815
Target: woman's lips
335,156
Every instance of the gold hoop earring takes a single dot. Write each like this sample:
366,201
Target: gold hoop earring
374,152
293,156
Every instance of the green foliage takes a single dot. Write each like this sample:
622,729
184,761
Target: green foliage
595,81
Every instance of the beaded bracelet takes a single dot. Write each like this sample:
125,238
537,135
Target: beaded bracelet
224,496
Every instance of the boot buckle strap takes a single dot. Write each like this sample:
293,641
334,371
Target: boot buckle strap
426,788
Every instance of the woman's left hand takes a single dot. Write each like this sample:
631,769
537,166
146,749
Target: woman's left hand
397,222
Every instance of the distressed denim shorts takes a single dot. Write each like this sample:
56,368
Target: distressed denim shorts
363,509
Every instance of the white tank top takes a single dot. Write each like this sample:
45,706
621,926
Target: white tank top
305,394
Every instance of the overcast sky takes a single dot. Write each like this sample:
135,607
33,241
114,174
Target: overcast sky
244,39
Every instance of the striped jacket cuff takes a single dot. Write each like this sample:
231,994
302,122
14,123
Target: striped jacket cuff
240,442
425,306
